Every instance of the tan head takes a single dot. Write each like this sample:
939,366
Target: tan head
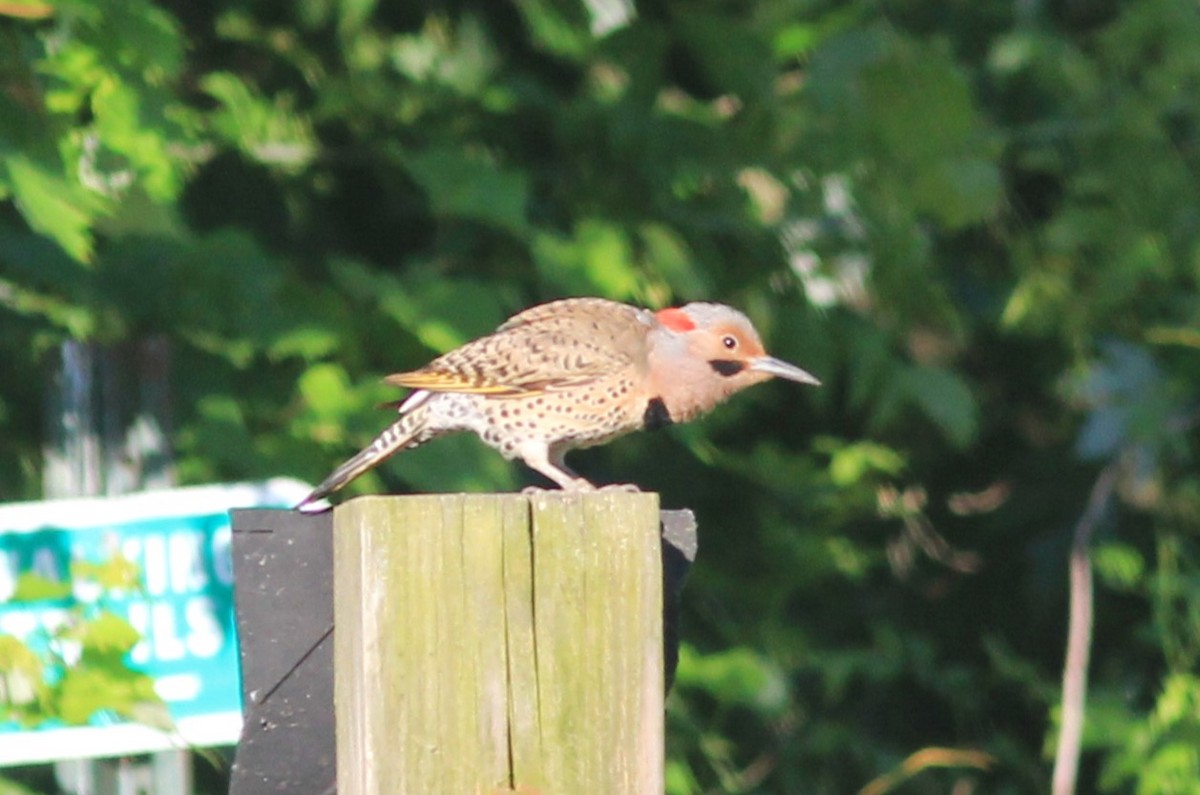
701,353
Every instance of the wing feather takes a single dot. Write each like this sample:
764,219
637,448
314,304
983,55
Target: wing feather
551,347
445,381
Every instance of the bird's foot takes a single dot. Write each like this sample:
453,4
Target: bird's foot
582,486
574,486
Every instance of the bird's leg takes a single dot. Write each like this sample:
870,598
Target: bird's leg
557,460
539,457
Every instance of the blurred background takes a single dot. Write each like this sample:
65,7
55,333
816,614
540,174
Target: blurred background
977,222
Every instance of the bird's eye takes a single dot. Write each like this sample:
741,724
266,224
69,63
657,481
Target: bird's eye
729,341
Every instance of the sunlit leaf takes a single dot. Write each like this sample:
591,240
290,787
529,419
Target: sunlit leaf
108,634
32,587
734,676
265,128
309,342
326,388
53,206
598,259
88,690
1120,565
853,462
115,573
558,26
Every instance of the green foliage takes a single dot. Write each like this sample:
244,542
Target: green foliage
78,670
1160,756
978,224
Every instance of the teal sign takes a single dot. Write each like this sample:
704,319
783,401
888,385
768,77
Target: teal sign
180,541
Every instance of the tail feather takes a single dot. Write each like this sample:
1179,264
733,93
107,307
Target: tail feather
408,431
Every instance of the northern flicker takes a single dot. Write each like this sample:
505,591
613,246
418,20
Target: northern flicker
574,373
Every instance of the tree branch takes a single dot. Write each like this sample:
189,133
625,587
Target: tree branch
1079,635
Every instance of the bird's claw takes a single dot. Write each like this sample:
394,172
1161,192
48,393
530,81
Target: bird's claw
583,487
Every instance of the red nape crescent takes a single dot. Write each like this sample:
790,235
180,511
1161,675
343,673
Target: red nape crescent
675,319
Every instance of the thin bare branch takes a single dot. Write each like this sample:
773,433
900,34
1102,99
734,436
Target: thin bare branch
1079,635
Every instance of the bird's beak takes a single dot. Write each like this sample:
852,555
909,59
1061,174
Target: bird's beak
781,369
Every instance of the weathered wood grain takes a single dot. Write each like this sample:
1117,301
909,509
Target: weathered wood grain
492,643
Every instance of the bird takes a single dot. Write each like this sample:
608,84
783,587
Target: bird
572,373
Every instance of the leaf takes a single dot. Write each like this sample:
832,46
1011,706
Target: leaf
920,103
735,676
138,35
945,399
52,206
220,434
1119,565
108,634
87,690
732,56
443,313
22,681
557,26
308,341
117,573
678,779
837,64
32,587
666,253
469,185
1036,301
23,689
871,366
84,692
326,388
800,38
266,129
353,14
596,259
958,191
457,463
852,463
78,321
9,786
125,130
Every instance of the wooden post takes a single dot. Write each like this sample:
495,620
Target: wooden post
489,644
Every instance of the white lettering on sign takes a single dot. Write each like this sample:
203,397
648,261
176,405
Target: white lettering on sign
175,562
205,636
186,562
170,631
164,633
154,564
85,590
178,687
